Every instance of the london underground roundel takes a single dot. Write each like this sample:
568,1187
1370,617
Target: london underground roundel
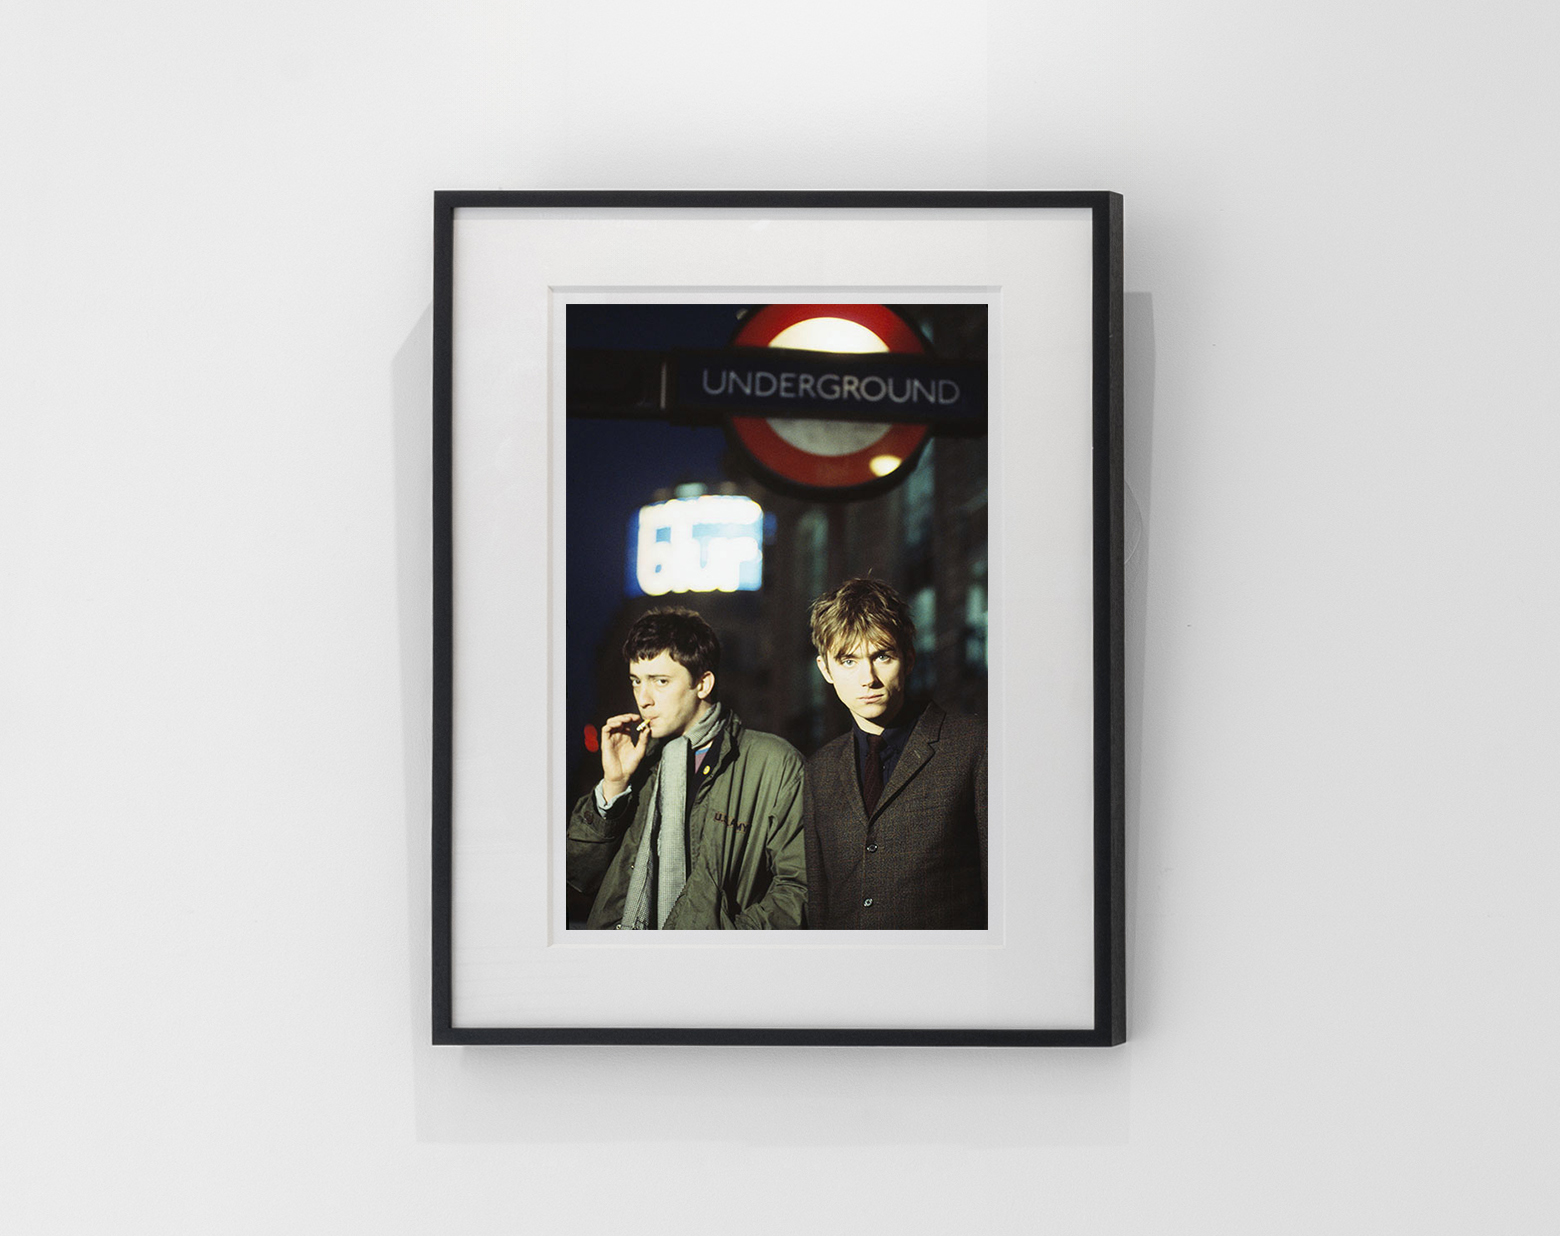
824,454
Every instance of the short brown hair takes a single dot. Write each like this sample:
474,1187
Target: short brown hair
680,633
861,609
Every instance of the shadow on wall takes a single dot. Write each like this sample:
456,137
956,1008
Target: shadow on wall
1138,447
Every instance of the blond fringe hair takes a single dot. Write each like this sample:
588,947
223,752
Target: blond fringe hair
861,610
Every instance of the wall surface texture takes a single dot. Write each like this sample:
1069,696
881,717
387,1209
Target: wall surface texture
1342,434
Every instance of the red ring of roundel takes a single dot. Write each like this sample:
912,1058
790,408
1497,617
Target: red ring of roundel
826,471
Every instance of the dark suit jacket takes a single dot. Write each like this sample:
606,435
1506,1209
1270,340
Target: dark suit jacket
920,860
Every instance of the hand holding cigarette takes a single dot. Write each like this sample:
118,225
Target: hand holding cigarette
624,740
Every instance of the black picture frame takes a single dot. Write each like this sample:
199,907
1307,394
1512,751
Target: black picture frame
1106,778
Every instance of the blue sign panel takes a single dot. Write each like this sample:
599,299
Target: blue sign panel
788,382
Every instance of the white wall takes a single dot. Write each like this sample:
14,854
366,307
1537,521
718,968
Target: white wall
1342,439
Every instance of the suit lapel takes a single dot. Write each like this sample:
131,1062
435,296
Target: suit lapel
845,767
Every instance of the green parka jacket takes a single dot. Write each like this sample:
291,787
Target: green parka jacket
746,864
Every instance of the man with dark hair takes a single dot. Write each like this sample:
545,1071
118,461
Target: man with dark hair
894,812
696,822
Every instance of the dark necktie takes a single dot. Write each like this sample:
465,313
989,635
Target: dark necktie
872,772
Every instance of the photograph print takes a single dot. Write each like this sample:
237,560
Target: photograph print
777,580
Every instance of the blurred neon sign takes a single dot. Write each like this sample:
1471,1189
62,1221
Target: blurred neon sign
711,543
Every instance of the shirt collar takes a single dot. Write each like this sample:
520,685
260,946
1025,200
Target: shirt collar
894,736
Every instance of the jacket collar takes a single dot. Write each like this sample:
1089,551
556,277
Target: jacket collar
727,743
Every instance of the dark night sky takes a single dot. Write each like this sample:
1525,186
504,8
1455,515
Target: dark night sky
613,469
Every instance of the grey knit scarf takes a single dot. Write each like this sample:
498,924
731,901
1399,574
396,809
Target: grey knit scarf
664,843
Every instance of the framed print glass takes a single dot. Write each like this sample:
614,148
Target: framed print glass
778,648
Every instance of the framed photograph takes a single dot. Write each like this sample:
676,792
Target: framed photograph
778,618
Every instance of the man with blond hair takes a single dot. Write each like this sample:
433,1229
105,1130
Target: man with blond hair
894,811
